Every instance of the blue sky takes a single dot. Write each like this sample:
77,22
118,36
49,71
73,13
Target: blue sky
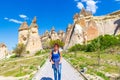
58,13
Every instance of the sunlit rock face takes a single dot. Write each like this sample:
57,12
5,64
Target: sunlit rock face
77,36
45,39
91,30
23,33
34,42
61,35
109,26
3,51
68,36
29,36
87,27
53,34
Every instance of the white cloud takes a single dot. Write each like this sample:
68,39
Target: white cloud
80,5
23,16
76,0
117,0
5,18
15,21
90,5
84,0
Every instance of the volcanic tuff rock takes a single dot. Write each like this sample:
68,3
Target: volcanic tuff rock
52,35
29,36
61,35
87,27
34,42
3,50
68,35
23,33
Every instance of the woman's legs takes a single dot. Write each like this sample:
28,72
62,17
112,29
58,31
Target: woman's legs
55,72
59,71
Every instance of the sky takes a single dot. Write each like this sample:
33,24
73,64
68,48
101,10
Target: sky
57,13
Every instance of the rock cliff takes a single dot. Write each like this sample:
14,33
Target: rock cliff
87,27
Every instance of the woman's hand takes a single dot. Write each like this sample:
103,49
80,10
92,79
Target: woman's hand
60,62
52,62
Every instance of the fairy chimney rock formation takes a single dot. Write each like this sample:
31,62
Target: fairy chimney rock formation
85,27
54,35
61,35
23,33
3,51
34,42
29,36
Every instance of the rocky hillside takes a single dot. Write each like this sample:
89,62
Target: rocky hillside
87,27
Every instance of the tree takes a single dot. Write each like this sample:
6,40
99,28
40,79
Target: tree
19,49
99,53
52,42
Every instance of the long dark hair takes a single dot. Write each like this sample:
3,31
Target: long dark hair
56,45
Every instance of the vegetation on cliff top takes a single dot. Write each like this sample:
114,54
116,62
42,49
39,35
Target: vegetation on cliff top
102,43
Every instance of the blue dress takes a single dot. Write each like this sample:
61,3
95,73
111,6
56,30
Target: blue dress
56,66
56,59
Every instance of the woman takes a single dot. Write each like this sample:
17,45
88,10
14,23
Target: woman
55,58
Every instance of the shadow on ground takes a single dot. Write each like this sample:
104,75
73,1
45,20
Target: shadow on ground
46,78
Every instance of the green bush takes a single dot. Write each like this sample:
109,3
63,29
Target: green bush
46,50
107,41
13,56
102,43
77,47
19,49
28,52
38,53
32,67
52,42
102,75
